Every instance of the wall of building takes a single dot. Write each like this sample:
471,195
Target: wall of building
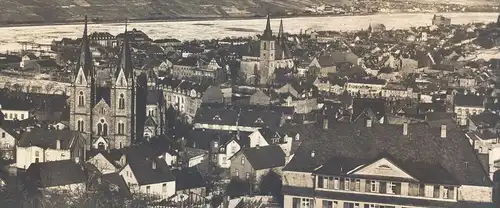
27,155
298,179
475,193
156,190
15,114
240,167
102,164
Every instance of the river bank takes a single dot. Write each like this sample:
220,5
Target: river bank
220,28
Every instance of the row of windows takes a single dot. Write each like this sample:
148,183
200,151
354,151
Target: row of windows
14,116
309,203
384,187
163,188
102,127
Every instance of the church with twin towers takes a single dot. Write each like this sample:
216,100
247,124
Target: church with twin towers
108,107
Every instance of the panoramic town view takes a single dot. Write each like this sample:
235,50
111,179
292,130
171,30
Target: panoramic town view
249,104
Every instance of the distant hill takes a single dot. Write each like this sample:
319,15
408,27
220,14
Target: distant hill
48,11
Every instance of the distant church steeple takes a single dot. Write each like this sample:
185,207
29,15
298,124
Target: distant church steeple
281,34
125,58
268,33
85,61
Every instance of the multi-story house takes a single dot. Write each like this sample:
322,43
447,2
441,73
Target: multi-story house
8,141
254,163
42,145
366,86
195,68
466,106
186,96
14,110
301,96
440,20
58,177
393,91
103,38
151,178
365,164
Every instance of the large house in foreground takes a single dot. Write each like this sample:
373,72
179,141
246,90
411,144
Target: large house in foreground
364,164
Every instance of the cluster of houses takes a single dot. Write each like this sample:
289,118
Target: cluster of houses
372,118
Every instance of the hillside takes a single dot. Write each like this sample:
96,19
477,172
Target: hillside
31,11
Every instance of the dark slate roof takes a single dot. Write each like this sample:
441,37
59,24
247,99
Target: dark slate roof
423,146
188,178
112,181
271,156
468,100
212,94
145,174
238,115
374,108
46,138
486,119
55,173
47,63
103,93
154,97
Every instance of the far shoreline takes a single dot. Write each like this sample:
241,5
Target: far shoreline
192,19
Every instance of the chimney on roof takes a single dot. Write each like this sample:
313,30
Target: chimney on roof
443,131
313,153
325,123
369,122
58,144
153,164
405,128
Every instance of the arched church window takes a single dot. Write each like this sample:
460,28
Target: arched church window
81,99
80,80
121,102
121,128
265,46
99,129
80,125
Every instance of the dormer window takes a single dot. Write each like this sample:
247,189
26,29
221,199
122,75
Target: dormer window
217,118
259,120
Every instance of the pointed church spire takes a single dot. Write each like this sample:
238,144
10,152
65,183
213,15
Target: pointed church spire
281,34
85,61
268,33
125,57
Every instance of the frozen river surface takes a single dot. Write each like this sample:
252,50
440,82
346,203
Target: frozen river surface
186,30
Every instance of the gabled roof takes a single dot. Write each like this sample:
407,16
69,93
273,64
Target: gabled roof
145,174
486,119
55,173
188,178
271,156
423,145
46,138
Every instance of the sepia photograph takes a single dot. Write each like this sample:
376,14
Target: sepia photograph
249,104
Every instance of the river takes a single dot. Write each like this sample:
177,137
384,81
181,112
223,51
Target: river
187,30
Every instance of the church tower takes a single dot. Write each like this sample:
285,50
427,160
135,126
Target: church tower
123,93
267,54
83,90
